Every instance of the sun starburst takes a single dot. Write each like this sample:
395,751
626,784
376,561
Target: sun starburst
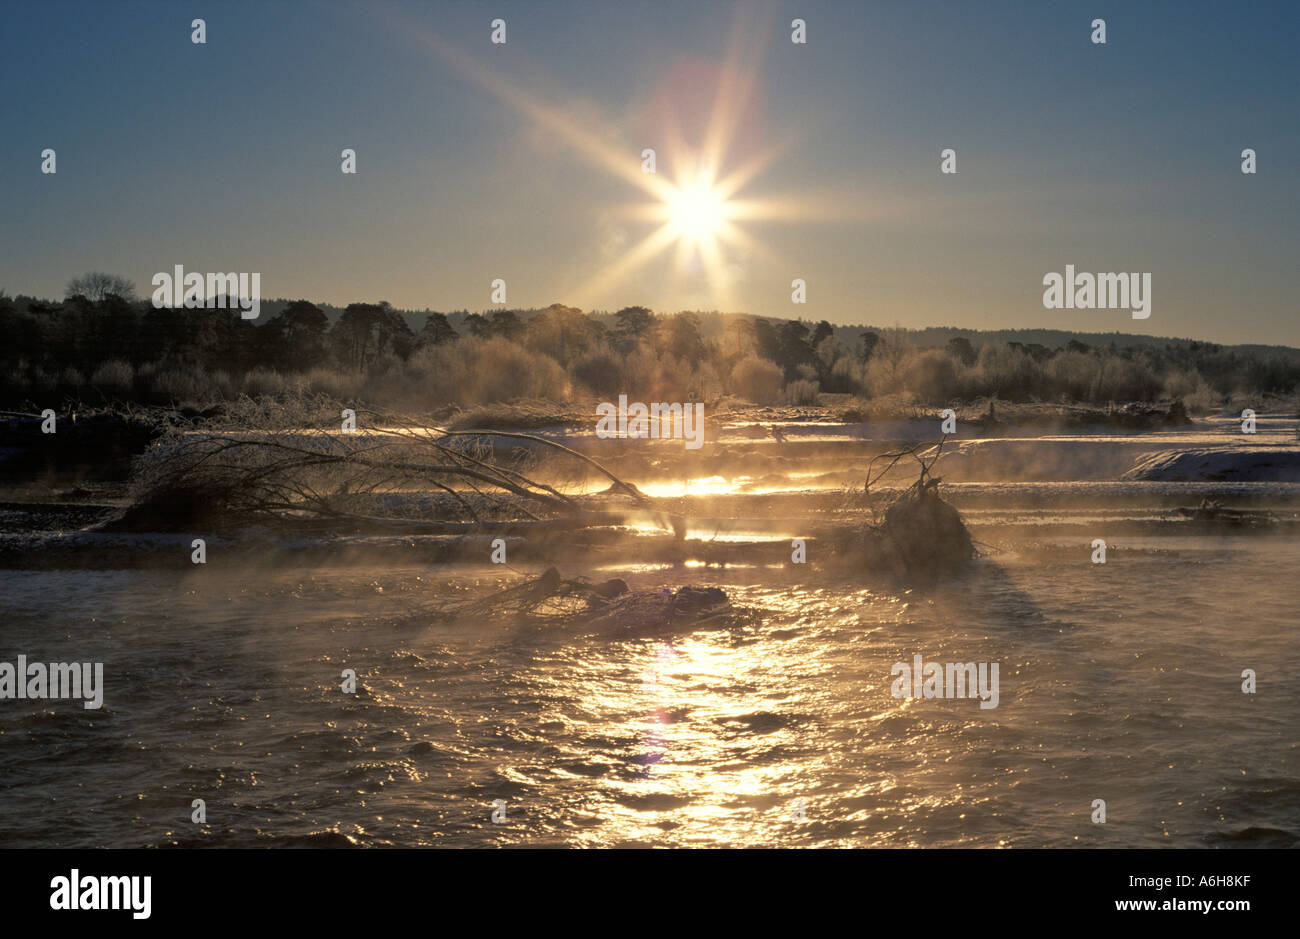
698,212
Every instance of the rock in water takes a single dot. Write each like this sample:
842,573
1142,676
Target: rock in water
691,600
610,588
648,611
927,533
922,538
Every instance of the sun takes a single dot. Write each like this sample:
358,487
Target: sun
696,212
702,211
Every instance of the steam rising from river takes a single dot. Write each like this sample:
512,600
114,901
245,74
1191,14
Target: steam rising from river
1117,681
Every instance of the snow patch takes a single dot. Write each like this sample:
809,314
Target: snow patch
1219,464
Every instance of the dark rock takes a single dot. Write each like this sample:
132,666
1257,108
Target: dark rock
610,588
927,532
694,599
922,539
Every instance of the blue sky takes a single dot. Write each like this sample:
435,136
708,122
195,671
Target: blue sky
225,156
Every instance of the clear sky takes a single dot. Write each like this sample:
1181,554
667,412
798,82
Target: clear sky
521,161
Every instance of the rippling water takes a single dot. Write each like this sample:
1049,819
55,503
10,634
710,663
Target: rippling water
1118,682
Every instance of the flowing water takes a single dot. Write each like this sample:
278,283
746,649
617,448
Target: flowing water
1118,681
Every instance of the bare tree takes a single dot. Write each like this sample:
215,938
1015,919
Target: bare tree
891,351
97,286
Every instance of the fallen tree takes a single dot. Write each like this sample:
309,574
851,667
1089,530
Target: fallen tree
289,466
290,463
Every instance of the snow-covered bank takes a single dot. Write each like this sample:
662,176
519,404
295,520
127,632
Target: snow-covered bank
1219,464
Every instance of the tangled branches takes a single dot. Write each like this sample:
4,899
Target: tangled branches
291,460
925,454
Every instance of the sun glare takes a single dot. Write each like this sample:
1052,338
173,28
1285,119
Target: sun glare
700,212
696,212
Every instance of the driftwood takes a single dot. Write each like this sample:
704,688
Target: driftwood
1212,510
244,473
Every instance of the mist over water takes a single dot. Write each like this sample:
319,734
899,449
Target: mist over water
1118,682
567,486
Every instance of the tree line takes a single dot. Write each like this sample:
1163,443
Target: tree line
100,341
